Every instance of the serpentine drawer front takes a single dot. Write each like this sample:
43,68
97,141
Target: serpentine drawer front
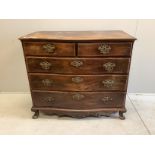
78,83
78,100
78,65
78,74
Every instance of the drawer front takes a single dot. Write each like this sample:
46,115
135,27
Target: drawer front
81,100
78,65
77,83
49,49
104,49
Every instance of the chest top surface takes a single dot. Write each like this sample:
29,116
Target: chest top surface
78,35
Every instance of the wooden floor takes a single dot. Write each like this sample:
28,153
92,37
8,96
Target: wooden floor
16,118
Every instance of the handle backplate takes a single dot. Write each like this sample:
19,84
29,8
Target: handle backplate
109,66
45,65
50,48
108,83
47,82
77,79
106,99
104,48
78,97
76,63
50,99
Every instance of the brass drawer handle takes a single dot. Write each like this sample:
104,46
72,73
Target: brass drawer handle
106,99
104,48
47,82
77,79
45,65
78,97
109,66
50,99
108,83
50,48
76,63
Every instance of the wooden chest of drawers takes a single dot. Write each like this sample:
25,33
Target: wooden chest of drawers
78,74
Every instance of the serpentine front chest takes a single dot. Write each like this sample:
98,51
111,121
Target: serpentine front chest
78,73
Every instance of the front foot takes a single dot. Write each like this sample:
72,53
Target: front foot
121,116
36,114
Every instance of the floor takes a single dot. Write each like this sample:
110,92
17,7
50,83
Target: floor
15,118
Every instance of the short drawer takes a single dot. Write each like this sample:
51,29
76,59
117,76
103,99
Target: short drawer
77,83
105,49
49,49
81,100
78,65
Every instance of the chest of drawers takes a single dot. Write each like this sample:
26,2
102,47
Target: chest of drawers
78,73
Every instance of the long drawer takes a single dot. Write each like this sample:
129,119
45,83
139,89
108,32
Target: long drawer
78,65
78,83
81,100
47,48
105,49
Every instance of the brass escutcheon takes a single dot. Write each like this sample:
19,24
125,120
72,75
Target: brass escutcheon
47,82
50,48
106,99
78,97
49,99
108,83
77,79
45,65
109,66
104,48
76,63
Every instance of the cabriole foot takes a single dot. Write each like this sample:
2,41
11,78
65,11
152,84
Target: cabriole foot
121,116
36,114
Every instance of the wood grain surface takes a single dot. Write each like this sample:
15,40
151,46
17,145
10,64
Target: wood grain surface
90,100
85,65
85,82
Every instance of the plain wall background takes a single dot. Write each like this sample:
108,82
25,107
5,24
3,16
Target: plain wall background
13,77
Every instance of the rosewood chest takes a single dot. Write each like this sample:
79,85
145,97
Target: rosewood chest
78,73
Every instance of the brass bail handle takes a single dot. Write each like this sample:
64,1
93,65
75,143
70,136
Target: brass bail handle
108,83
104,48
45,65
50,99
50,48
47,82
76,63
78,97
106,99
77,79
109,66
